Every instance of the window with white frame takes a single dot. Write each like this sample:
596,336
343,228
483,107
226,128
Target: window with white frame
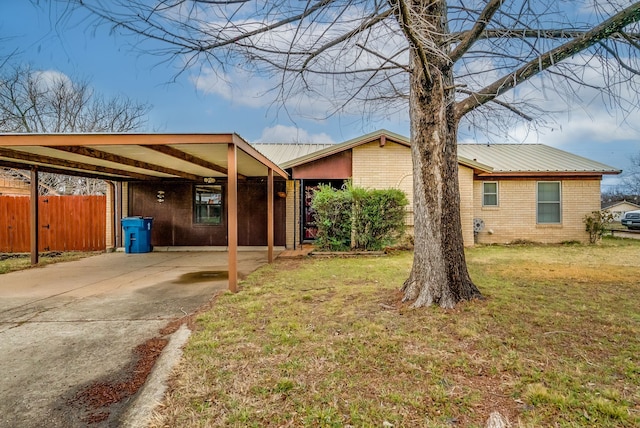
549,201
489,194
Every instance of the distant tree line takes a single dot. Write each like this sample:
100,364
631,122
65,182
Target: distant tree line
37,101
629,187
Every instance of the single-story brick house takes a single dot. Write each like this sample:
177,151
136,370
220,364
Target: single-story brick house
508,192
203,188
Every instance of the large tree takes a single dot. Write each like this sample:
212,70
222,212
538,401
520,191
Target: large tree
34,101
452,61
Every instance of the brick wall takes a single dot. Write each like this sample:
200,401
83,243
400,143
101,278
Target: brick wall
465,181
292,213
515,217
390,166
387,167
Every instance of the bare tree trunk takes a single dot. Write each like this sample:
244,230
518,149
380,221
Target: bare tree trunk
439,273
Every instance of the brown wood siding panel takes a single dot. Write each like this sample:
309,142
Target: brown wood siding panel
172,219
280,213
173,223
67,223
335,167
252,213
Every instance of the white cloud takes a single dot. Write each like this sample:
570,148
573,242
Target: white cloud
258,82
582,113
47,79
292,134
245,89
579,119
239,87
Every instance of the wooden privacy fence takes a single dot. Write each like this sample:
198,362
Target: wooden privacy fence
66,223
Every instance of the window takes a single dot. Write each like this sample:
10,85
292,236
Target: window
489,194
208,205
549,205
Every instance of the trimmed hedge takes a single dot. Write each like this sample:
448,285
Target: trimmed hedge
358,219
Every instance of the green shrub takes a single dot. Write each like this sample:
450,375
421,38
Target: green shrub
377,218
358,218
596,224
333,218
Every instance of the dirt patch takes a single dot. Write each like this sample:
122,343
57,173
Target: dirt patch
98,398
51,254
101,400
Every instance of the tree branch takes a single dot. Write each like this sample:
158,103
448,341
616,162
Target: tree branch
502,104
614,54
606,29
471,36
365,25
529,33
407,26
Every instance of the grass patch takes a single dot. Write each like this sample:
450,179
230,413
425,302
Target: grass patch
14,262
324,343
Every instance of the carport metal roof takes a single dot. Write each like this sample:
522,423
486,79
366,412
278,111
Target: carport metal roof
147,157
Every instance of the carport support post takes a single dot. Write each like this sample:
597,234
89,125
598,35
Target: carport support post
34,216
270,216
232,216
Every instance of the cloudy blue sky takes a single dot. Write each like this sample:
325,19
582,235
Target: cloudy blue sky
194,101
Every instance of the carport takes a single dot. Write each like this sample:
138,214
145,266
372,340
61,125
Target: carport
198,158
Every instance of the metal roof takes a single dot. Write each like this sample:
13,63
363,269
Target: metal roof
503,159
282,153
289,155
193,156
486,159
534,158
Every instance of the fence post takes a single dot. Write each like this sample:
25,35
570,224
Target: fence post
34,216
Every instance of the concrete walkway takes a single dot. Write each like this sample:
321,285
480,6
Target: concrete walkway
67,326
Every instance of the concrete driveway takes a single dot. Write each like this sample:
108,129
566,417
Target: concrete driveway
68,326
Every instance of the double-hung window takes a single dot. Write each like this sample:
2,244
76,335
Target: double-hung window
549,201
489,194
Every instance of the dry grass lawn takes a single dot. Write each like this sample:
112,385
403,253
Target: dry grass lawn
325,343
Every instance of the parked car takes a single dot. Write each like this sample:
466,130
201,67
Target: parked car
631,219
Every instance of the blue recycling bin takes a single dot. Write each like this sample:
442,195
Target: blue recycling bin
137,234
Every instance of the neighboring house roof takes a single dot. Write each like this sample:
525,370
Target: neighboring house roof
609,205
502,159
531,158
